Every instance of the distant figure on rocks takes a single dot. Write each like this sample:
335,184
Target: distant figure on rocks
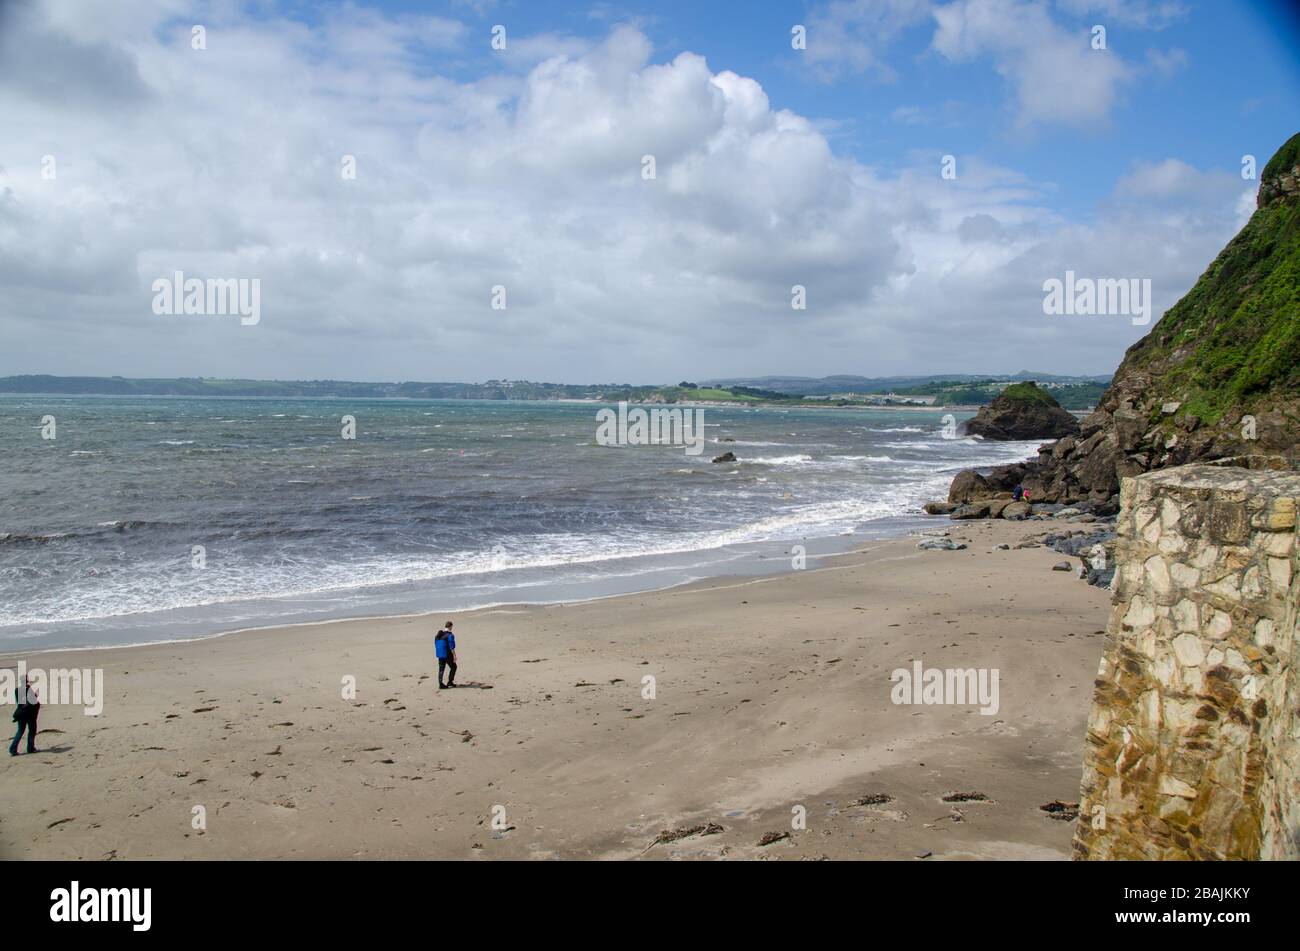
29,705
444,645
1018,492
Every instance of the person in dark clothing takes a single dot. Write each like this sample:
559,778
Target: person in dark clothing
444,645
1018,493
29,705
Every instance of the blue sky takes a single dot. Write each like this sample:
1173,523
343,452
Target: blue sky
480,168
1235,94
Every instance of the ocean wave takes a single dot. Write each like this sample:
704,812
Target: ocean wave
795,460
805,462
113,527
30,538
170,585
928,444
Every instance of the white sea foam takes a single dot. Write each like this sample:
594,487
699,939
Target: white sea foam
794,460
136,592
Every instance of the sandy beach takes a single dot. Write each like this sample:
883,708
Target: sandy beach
770,694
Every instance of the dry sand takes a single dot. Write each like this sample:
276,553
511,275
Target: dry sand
770,694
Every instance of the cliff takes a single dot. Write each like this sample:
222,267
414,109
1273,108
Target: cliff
1218,376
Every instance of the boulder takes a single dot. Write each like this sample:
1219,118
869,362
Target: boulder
1107,508
1016,511
940,544
1076,543
972,510
967,486
1006,478
1129,426
726,457
1062,448
997,507
940,508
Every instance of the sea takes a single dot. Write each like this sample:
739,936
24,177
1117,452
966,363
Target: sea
146,520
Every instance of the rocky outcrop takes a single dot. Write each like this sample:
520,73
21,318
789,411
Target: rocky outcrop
1193,745
1281,179
1218,376
1022,411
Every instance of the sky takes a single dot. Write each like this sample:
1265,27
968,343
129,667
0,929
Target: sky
619,192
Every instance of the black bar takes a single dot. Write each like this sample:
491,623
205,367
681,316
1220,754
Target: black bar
364,901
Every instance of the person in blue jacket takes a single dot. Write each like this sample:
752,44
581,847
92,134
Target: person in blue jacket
28,707
444,645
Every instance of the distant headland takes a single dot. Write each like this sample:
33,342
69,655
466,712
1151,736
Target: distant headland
937,391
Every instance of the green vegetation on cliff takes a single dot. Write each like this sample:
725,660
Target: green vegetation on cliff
1235,337
1287,158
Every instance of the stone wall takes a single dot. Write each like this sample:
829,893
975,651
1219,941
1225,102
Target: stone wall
1193,746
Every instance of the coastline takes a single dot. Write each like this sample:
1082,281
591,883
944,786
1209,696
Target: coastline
8,656
655,572
771,692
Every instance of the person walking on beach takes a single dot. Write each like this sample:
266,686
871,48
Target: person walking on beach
444,645
29,705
